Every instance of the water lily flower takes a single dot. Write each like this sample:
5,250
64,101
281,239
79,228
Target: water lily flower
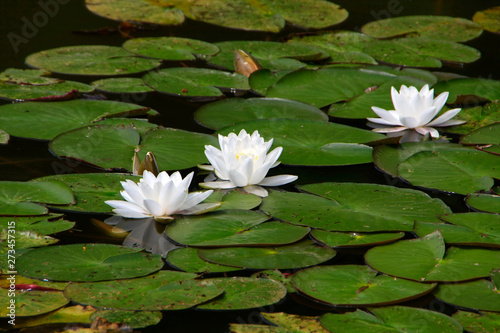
414,110
243,161
160,197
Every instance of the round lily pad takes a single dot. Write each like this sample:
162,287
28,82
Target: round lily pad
57,91
287,323
308,142
27,239
354,285
354,239
234,199
227,112
391,319
489,19
87,262
483,322
32,302
465,87
424,259
133,319
194,82
484,202
45,225
302,254
90,60
131,85
489,134
68,314
48,119
170,48
244,293
187,259
165,290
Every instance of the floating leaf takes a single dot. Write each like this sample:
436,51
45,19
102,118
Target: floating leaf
302,254
484,322
71,314
133,319
476,117
90,60
350,285
32,302
87,262
165,290
62,90
26,239
423,259
244,293
480,88
231,111
234,199
27,76
391,319
48,119
438,27
129,85
489,134
264,78
170,48
354,239
195,82
285,323
484,202
307,142
488,19
4,137
45,225
187,259
20,198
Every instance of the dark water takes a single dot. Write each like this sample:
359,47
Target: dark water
26,27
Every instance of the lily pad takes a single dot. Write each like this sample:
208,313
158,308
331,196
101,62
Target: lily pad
4,137
26,239
71,314
391,319
121,142
354,239
354,285
284,323
48,119
165,290
187,259
170,48
481,88
231,111
32,302
476,117
302,254
424,259
92,189
57,91
27,76
195,82
315,143
129,85
234,199
484,202
87,262
21,198
489,19
262,79
90,60
484,322
45,225
489,134
133,319
244,293
431,26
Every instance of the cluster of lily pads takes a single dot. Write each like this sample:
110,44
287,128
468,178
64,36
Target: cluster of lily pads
413,245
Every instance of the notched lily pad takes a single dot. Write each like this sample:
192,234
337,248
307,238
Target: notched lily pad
354,239
32,302
187,259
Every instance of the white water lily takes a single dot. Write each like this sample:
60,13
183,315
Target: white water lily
243,161
414,110
160,197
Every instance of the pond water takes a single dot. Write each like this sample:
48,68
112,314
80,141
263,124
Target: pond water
25,159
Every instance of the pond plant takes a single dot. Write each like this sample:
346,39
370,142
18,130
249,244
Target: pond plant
374,233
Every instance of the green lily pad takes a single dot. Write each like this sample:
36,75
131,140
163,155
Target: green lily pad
484,322
316,212
316,143
484,202
489,19
27,76
34,284
187,259
92,189
229,228
231,111
424,259
45,225
71,314
165,290
276,275
25,92
87,262
4,137
284,323
135,10
131,85
195,82
26,239
21,198
265,52
482,88
476,117
354,239
354,285
244,293
133,319
473,229
121,142
420,52
302,254
90,60
327,85
479,294
170,48
234,199
48,119
437,27
32,302
391,319
264,78
489,134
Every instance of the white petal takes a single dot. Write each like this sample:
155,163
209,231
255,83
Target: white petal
278,180
201,208
409,122
389,117
206,167
154,208
444,117
428,130
389,129
440,100
451,122
237,178
216,185
257,190
195,198
127,209
427,115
